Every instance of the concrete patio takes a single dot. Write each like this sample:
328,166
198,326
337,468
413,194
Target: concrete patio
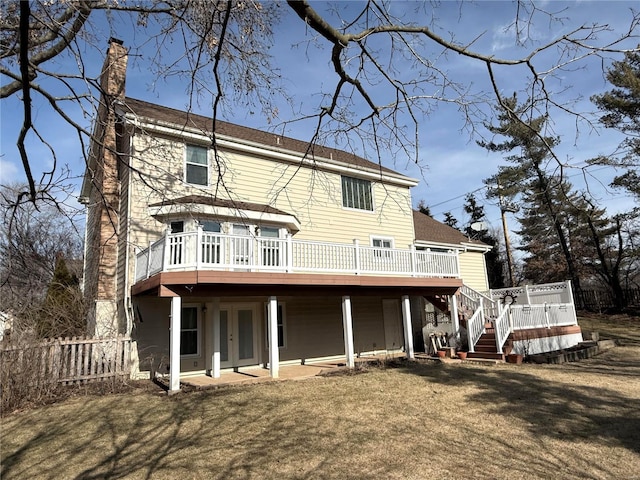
257,374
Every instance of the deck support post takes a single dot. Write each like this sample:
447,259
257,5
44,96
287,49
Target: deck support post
347,326
408,331
272,321
174,344
455,319
215,360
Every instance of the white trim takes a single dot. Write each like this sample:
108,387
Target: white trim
198,308
355,209
174,344
224,213
408,330
373,237
185,163
277,153
215,358
283,309
463,246
272,327
347,326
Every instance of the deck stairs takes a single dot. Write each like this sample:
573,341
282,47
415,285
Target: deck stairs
486,346
468,303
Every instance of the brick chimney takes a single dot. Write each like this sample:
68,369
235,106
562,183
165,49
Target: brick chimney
101,251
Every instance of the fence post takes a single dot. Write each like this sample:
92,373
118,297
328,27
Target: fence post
526,294
546,315
356,252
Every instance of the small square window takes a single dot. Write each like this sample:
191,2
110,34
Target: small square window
177,227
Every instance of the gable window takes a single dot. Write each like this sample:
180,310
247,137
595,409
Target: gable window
189,331
356,193
197,165
281,325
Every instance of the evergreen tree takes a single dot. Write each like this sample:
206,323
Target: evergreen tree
524,133
493,259
424,208
62,313
450,220
621,107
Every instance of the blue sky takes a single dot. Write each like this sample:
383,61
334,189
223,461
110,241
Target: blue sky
453,164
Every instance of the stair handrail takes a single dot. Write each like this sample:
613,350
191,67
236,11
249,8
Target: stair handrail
475,328
491,307
502,329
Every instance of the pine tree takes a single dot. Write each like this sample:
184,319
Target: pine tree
493,259
621,107
62,310
524,133
450,220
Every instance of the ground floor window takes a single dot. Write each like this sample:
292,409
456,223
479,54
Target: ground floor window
281,325
189,331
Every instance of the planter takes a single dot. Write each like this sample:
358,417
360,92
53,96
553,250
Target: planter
462,355
514,358
442,353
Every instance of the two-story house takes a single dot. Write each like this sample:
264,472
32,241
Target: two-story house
218,246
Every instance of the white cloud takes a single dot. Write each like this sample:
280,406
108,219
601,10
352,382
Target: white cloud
9,172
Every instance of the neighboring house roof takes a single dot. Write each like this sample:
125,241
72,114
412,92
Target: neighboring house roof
205,124
429,230
220,202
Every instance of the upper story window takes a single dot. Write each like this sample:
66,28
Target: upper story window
356,193
197,165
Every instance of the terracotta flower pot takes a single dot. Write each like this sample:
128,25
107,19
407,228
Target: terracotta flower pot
442,353
514,358
462,355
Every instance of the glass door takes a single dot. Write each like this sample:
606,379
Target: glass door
238,336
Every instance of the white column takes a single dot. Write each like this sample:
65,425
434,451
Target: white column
272,325
408,331
174,345
455,319
215,358
347,325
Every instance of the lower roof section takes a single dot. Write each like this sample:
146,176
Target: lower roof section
206,283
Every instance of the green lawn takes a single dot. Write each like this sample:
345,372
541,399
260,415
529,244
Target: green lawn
577,420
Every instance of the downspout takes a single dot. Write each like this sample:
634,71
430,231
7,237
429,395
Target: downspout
128,305
84,249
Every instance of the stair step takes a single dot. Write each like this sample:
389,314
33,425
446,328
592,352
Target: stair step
486,355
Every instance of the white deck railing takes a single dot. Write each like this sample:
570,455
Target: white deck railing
216,251
543,316
532,313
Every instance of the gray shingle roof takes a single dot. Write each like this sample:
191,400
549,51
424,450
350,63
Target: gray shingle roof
428,229
205,125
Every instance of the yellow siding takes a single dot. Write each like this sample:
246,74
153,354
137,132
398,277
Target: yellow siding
473,271
312,195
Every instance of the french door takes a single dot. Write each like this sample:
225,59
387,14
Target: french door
238,335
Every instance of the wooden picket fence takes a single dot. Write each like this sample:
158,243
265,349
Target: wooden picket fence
71,360
602,299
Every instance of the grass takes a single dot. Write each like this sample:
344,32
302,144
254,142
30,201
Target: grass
577,420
